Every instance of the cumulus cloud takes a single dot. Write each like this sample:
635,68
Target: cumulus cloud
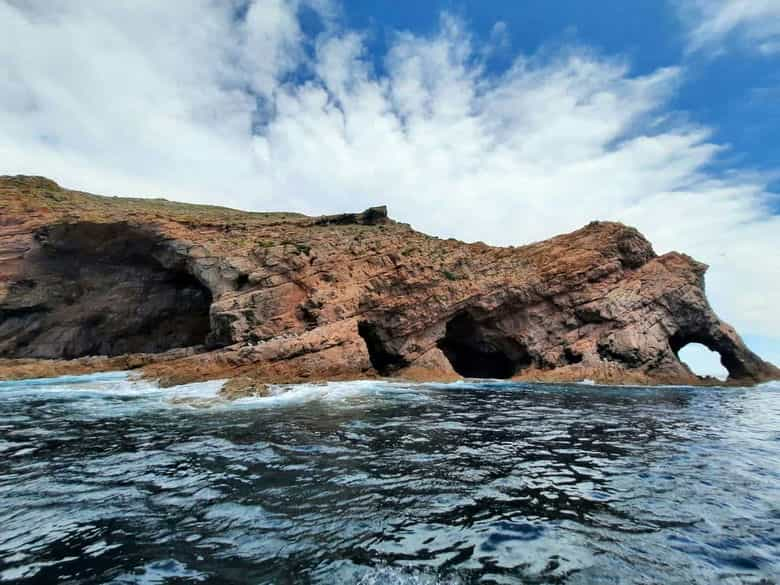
232,103
753,23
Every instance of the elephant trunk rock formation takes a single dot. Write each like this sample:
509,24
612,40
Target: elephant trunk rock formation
192,292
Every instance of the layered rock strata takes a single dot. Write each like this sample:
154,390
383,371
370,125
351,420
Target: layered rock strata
283,297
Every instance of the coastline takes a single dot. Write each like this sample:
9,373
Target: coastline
162,369
92,283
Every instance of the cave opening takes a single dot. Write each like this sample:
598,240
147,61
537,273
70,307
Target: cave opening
702,362
477,349
102,289
703,358
383,359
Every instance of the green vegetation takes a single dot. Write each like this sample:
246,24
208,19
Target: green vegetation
39,192
300,248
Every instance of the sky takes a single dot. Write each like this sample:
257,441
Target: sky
501,121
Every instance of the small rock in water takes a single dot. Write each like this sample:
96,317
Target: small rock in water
243,387
196,402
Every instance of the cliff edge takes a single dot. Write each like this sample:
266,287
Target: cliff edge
188,292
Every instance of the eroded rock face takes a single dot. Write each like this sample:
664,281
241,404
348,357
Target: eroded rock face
87,288
284,297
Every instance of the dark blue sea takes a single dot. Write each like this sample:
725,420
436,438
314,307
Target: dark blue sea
104,479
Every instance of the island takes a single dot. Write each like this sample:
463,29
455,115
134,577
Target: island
184,293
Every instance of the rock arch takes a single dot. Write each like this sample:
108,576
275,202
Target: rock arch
702,362
730,357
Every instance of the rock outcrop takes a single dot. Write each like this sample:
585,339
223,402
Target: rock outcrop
282,297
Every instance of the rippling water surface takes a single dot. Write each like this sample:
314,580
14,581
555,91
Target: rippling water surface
103,479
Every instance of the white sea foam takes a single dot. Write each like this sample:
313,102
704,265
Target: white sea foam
398,576
106,394
123,393
775,385
337,393
61,380
111,384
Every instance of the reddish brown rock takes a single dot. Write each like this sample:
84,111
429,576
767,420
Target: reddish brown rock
284,297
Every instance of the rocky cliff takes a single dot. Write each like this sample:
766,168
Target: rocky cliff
284,297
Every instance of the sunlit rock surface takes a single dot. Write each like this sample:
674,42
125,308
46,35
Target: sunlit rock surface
286,297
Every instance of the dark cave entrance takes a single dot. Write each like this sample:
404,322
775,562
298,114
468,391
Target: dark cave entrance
382,358
103,289
696,353
477,349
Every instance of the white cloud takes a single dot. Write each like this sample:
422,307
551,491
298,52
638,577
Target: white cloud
272,44
163,100
753,23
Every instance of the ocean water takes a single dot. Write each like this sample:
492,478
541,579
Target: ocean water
105,480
